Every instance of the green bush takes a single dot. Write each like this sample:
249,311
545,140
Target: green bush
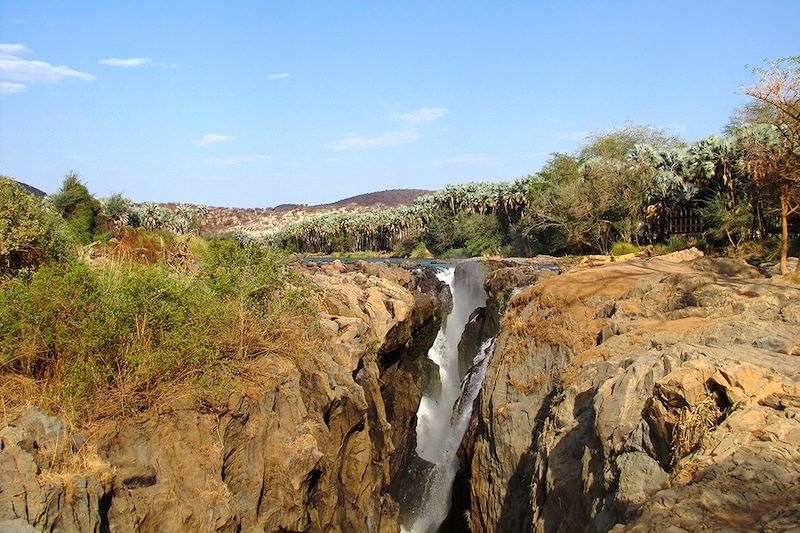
123,336
440,233
404,246
253,274
727,223
30,232
86,330
674,244
455,253
78,207
420,251
623,248
479,233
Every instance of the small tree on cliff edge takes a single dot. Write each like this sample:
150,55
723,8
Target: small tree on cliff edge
774,156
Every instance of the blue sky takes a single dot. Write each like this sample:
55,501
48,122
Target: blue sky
254,104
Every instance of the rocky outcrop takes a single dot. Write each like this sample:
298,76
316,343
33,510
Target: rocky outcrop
505,278
306,443
642,395
33,497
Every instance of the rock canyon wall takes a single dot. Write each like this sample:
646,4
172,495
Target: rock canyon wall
308,443
652,394
641,396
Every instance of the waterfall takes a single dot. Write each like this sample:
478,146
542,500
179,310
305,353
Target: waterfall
443,420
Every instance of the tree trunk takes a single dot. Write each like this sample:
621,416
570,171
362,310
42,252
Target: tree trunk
728,178
784,232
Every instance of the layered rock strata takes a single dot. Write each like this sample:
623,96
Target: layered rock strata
308,443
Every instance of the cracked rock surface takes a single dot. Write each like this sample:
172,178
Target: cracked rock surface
643,396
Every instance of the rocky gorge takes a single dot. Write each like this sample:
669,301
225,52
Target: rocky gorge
660,392
651,394
308,444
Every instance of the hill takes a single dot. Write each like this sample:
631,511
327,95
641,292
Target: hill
259,221
389,198
32,190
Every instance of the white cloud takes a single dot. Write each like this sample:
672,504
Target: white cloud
130,62
213,138
425,114
12,51
23,70
11,88
16,69
281,76
243,160
390,138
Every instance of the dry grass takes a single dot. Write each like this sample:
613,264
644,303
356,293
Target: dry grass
526,388
693,423
120,339
66,458
65,467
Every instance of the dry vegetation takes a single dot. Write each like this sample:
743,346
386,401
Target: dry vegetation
693,423
131,329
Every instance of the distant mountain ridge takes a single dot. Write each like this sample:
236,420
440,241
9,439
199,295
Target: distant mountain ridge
259,221
388,198
31,189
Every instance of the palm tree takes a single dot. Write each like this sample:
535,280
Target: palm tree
772,162
714,160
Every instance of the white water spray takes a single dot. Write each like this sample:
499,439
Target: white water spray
443,420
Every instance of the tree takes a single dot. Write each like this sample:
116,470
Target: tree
769,160
560,168
618,144
713,161
77,206
774,152
724,220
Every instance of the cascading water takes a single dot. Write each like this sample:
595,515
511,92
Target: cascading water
443,419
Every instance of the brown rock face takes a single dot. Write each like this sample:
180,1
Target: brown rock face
310,444
641,396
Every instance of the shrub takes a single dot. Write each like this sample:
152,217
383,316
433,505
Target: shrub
407,245
623,248
102,341
141,245
455,253
674,244
250,273
420,251
479,233
726,222
30,233
78,207
85,330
